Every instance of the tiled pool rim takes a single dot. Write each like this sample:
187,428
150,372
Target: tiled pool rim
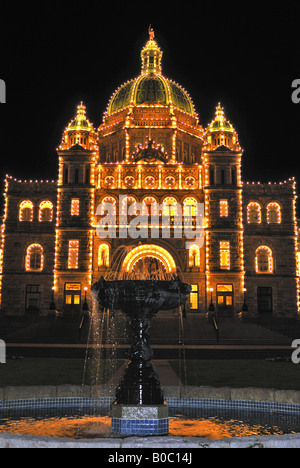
106,391
74,396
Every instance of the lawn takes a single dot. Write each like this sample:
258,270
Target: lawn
231,373
239,373
41,371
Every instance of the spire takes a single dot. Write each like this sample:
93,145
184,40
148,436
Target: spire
220,114
81,112
151,56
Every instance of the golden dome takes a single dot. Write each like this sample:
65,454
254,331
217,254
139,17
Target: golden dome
151,87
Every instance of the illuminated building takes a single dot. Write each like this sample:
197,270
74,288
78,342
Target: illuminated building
151,149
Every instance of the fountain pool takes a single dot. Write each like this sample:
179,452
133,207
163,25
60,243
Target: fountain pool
90,418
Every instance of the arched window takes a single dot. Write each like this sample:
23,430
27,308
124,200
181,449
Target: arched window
131,209
254,213
264,262
149,206
34,258
104,206
46,211
26,211
103,255
190,207
273,213
194,256
170,206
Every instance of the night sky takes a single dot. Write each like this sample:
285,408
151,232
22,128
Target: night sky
52,57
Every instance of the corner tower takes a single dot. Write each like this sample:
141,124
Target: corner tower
75,209
223,213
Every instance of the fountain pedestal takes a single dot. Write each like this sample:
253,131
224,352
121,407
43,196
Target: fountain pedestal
139,408
140,419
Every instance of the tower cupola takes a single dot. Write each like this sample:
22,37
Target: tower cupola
220,133
80,131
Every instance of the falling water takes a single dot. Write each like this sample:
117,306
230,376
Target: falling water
101,360
109,328
181,351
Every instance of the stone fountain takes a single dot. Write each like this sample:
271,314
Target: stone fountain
139,408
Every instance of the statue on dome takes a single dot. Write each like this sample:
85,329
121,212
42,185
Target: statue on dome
151,33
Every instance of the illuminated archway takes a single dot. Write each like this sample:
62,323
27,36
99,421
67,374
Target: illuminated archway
154,251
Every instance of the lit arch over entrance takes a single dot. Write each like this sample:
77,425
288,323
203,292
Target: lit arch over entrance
154,251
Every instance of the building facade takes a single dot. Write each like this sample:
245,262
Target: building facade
150,159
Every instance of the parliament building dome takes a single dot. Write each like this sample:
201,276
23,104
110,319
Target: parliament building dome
151,87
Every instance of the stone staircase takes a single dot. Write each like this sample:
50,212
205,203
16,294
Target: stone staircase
166,329
195,330
289,328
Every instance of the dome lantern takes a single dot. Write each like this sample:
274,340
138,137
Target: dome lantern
151,56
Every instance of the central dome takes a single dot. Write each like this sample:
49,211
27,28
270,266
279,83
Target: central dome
151,87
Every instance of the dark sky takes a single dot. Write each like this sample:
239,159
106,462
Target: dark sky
52,57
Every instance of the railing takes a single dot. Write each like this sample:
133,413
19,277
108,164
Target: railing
215,325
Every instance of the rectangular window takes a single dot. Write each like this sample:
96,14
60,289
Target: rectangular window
224,288
33,297
68,299
76,299
75,207
73,254
264,300
223,208
87,175
222,176
66,176
211,176
234,176
76,176
194,297
225,255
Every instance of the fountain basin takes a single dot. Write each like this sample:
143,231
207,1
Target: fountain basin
141,297
76,406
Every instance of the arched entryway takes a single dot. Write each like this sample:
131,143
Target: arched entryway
147,259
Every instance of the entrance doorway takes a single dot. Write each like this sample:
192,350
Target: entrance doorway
264,300
72,301
225,300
